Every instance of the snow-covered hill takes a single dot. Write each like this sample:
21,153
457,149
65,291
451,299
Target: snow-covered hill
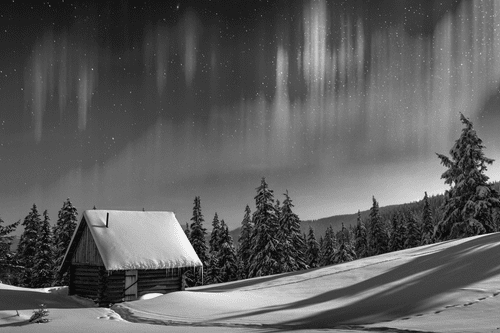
447,287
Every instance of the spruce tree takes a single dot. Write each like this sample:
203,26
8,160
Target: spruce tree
27,247
427,225
264,258
213,270
470,201
345,252
360,238
379,237
215,236
245,242
398,234
62,234
329,247
198,235
228,261
413,233
312,254
43,261
7,264
291,243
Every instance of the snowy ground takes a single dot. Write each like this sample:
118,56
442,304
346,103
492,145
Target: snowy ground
447,287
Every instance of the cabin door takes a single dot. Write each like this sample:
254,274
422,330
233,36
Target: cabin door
130,285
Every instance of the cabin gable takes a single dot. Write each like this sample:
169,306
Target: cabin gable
86,252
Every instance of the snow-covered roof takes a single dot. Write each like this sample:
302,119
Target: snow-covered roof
138,240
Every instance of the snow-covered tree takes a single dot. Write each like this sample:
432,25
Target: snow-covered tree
213,270
198,235
291,243
228,261
312,254
398,234
245,242
360,238
264,258
27,247
379,236
215,236
427,225
344,252
43,261
62,234
6,256
329,247
413,233
470,201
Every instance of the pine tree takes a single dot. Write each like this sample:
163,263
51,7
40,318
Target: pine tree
345,252
198,235
213,270
290,239
43,261
329,247
215,236
398,234
264,258
427,225
470,201
62,234
413,233
27,247
6,256
361,241
228,261
312,254
379,237
245,242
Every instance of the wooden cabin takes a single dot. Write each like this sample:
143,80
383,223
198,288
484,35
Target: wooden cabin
117,256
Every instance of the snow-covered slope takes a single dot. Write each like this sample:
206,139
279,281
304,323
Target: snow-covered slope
447,287
432,283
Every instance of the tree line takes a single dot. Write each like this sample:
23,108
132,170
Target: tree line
270,240
41,248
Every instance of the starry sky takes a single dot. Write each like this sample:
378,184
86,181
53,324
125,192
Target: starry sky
131,105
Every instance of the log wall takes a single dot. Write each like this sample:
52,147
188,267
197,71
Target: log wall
156,281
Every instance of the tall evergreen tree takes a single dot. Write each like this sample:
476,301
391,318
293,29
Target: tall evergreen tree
361,241
6,255
398,234
345,252
215,236
27,247
329,247
470,201
379,237
427,225
264,258
43,261
213,270
290,239
198,235
245,242
413,233
312,254
228,261
62,234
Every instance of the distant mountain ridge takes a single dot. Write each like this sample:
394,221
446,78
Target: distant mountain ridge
319,226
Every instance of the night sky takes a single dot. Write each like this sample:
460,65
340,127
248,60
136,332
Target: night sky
131,105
